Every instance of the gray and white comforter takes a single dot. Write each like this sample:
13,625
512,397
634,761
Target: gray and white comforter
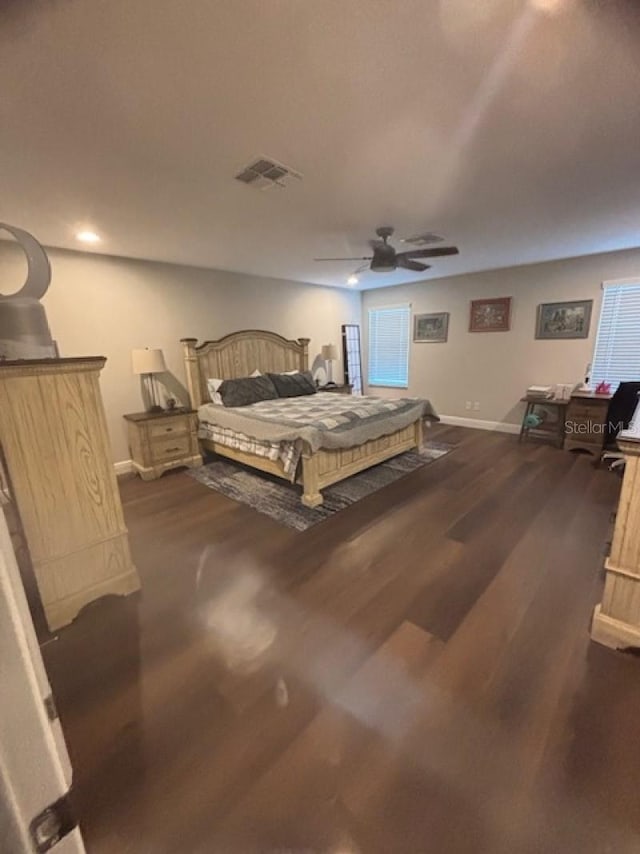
322,420
287,452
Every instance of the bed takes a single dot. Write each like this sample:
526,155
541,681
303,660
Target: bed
325,457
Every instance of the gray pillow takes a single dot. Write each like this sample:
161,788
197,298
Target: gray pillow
293,385
247,390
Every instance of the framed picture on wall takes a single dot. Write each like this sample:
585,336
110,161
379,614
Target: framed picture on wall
559,320
490,315
431,328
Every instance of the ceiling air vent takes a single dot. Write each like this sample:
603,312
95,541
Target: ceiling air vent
423,239
264,173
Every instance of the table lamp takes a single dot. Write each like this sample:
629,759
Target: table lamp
148,362
329,354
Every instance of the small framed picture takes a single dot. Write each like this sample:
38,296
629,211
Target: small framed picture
558,320
431,328
490,315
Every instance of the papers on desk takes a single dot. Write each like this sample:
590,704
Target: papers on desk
561,391
544,392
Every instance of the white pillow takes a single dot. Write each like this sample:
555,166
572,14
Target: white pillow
213,384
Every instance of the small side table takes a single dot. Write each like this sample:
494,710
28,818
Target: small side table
556,431
159,441
347,388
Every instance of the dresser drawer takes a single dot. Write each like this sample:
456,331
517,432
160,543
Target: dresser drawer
169,427
588,412
171,448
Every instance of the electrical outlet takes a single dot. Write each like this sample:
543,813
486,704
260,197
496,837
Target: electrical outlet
476,405
467,404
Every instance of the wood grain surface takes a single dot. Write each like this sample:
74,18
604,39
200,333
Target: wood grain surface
413,675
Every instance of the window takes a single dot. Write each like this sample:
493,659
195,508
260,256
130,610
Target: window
389,346
617,354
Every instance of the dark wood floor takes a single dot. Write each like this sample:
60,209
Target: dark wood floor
413,675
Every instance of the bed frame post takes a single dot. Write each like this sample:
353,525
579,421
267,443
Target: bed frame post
311,495
192,369
419,433
304,356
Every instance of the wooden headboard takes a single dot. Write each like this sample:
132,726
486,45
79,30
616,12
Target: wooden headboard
238,355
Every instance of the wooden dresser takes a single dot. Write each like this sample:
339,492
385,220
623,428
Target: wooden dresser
159,441
54,439
585,420
616,620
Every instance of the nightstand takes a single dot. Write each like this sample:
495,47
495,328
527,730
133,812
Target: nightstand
586,420
347,388
159,441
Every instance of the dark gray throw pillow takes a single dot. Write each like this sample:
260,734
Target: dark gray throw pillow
247,390
293,385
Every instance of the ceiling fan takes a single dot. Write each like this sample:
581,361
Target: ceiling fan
385,258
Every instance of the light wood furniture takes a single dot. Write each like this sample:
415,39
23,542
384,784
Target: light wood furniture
159,441
54,439
345,388
241,353
616,620
555,432
586,417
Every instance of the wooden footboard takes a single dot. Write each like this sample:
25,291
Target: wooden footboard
324,467
262,463
330,466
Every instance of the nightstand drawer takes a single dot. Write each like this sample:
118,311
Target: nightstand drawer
171,448
169,427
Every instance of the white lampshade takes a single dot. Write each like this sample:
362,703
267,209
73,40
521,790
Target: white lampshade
329,352
148,361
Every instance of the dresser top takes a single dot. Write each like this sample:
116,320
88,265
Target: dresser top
50,367
590,395
52,362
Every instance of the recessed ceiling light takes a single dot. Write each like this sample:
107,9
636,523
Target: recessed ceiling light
548,6
87,237
352,280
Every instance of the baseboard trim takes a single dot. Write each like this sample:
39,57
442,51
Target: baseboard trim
123,467
479,424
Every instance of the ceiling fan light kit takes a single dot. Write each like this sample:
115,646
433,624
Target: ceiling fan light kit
386,259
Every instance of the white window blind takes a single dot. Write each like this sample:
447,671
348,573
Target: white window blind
389,346
617,354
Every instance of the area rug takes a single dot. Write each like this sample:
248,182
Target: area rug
281,500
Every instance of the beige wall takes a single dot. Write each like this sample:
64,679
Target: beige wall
496,368
98,305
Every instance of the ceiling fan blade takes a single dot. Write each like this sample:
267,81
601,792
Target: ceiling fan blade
408,264
360,258
361,269
436,252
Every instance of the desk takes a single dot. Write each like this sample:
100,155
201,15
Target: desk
555,432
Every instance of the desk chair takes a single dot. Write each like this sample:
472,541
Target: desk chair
619,416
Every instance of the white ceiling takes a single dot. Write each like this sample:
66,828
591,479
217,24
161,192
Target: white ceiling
511,129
